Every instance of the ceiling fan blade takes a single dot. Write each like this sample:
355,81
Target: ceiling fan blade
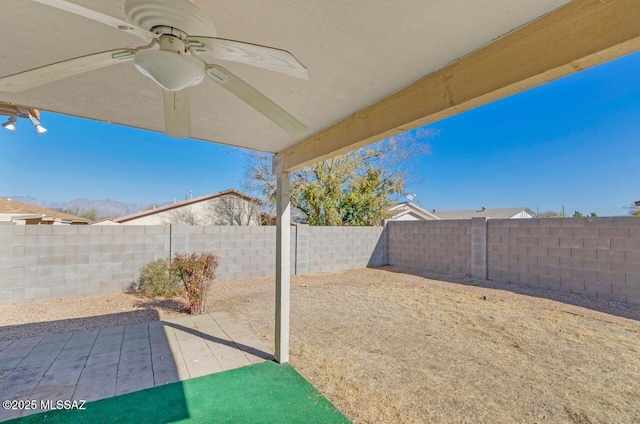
257,100
67,68
250,54
116,23
177,113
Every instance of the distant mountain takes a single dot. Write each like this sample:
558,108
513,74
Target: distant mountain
105,207
28,200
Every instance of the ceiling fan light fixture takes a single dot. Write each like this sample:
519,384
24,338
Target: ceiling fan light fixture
170,70
11,123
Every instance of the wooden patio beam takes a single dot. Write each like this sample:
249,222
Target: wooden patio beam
579,35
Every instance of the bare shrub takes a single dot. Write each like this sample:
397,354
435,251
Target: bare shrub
197,271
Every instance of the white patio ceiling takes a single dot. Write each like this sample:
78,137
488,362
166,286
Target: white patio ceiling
358,52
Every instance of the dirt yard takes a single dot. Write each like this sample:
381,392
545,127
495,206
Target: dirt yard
386,346
389,347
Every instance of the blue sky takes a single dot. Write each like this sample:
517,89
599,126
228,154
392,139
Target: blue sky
574,142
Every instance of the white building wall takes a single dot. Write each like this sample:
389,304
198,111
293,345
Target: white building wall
522,215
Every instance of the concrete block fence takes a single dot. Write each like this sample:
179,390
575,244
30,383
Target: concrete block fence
442,246
43,262
599,257
596,256
39,262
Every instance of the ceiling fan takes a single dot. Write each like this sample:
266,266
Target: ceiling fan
173,58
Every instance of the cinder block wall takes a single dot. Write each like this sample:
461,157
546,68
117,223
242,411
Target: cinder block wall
596,256
52,262
334,249
243,251
599,257
442,246
42,262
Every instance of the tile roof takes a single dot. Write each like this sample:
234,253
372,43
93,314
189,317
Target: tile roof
8,206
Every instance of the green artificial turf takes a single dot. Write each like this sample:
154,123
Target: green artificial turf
262,393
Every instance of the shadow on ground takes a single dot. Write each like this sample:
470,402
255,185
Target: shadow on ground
577,299
80,359
233,344
35,329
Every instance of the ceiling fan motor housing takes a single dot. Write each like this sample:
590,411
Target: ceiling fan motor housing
170,13
172,42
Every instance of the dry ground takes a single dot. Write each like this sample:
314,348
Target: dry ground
386,346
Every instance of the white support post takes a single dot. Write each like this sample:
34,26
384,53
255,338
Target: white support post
283,261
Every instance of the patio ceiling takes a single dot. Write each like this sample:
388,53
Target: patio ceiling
357,52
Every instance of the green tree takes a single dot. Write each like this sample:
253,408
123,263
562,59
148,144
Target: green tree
90,214
350,189
577,214
550,214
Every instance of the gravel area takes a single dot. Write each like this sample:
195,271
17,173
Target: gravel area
388,345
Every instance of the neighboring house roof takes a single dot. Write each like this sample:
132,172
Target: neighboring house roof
185,203
497,213
27,211
399,210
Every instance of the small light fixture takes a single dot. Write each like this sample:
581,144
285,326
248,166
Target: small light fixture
11,123
39,128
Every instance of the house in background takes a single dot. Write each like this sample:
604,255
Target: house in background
229,207
408,211
484,212
24,214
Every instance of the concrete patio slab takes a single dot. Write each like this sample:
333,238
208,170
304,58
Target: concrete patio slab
97,364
